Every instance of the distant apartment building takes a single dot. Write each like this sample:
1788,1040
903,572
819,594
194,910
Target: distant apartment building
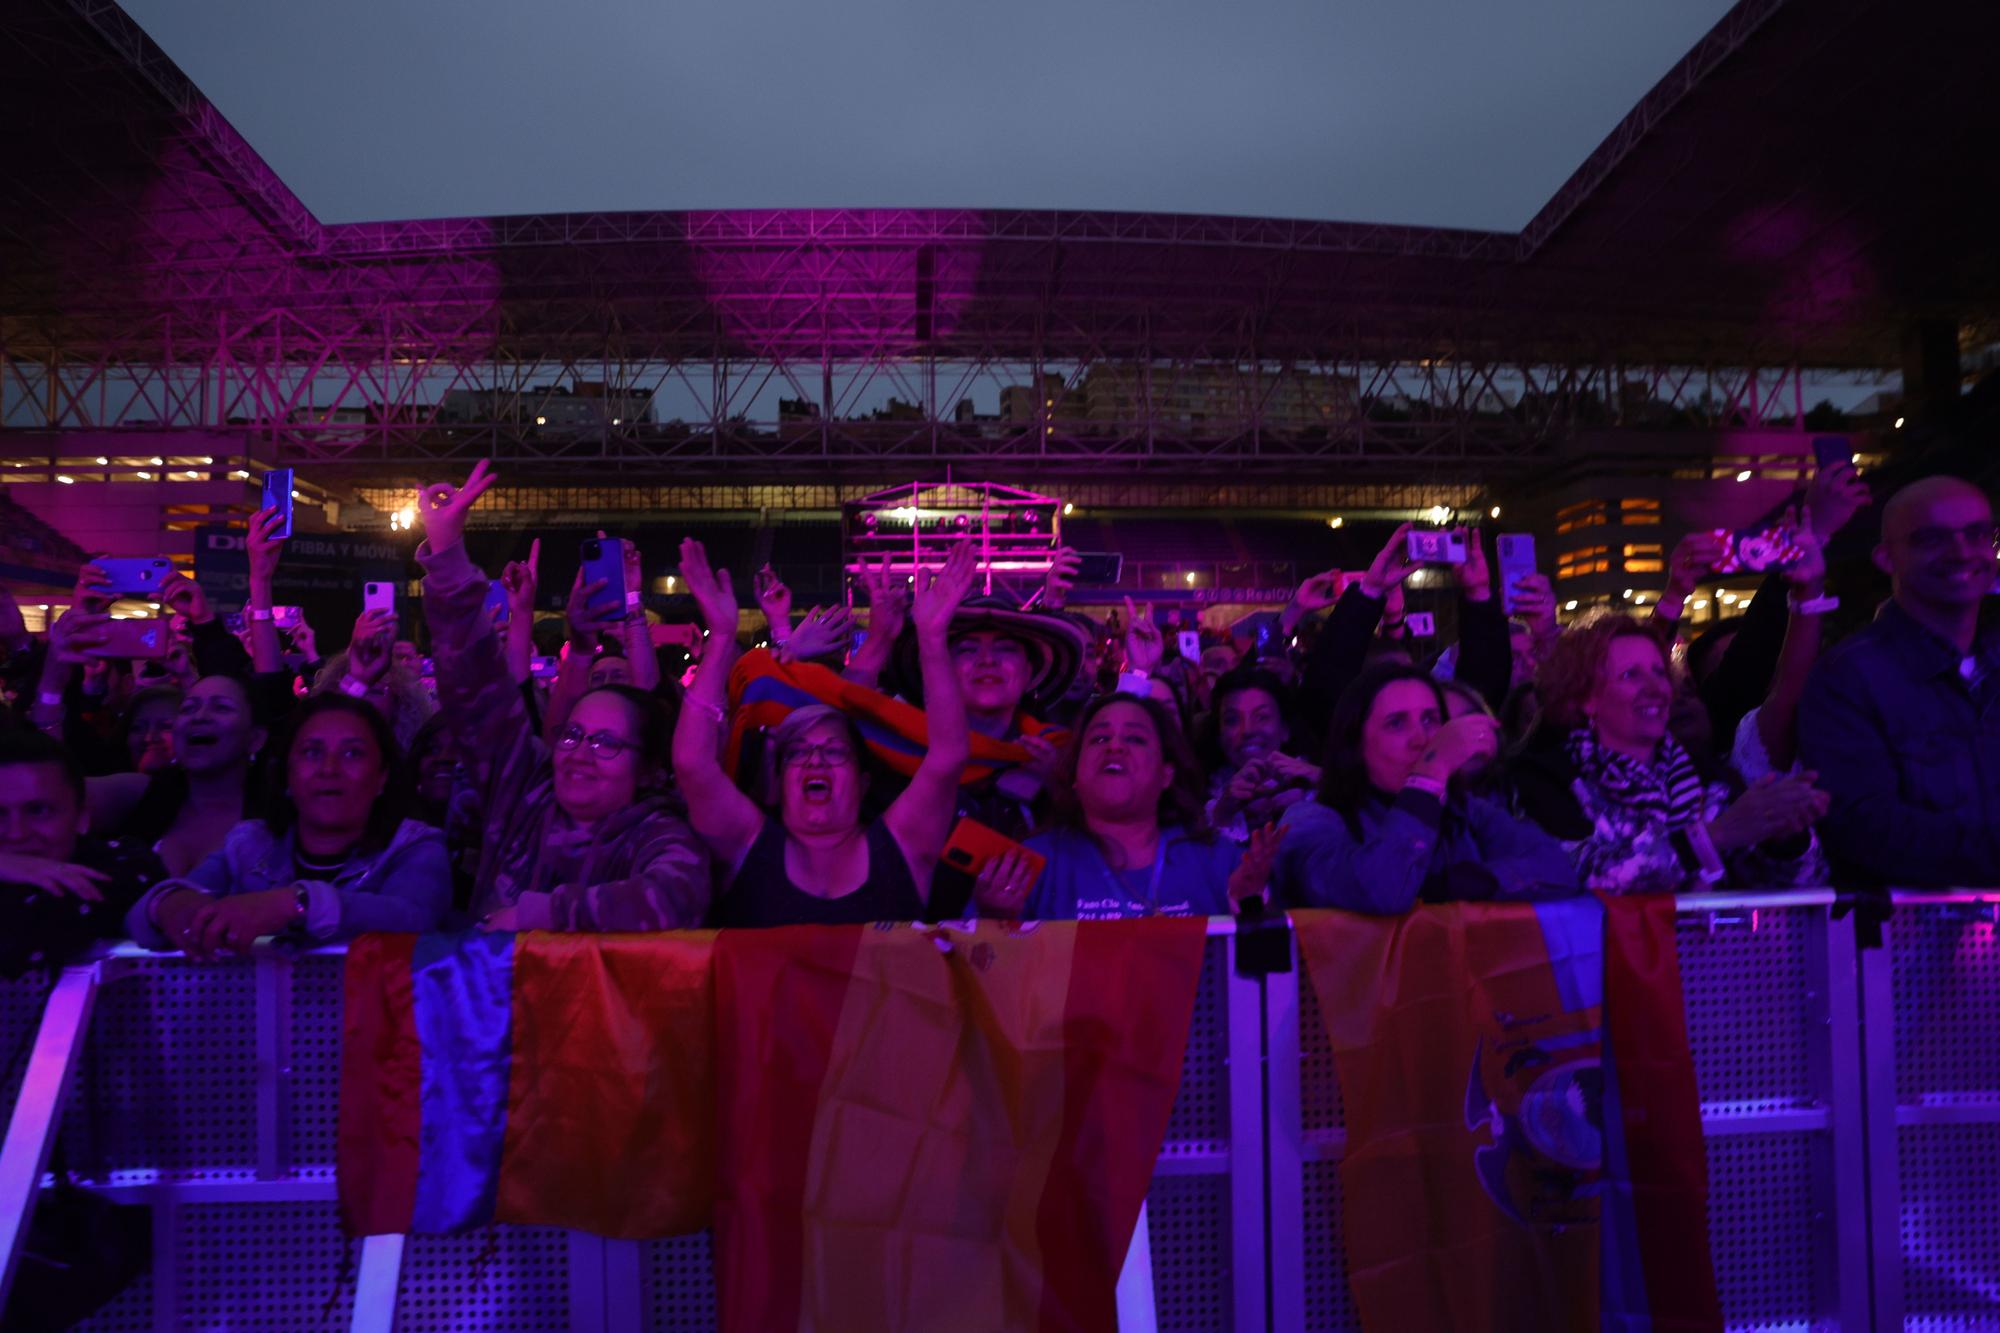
1114,394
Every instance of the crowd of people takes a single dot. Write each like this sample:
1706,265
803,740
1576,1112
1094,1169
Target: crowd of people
956,754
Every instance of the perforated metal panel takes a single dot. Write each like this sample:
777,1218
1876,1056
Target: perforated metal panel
168,1080
1946,964
1950,1177
1765,1217
1329,1305
20,1013
1945,1001
1200,1121
314,1030
1189,1218
1750,1008
512,1278
678,1284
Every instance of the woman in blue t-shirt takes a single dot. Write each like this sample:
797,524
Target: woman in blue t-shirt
1130,837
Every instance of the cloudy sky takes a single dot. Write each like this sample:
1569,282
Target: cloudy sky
1463,113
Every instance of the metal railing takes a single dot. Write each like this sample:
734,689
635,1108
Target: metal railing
1850,1104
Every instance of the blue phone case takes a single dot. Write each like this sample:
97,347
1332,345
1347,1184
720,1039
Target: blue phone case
496,602
604,558
278,496
1516,560
135,575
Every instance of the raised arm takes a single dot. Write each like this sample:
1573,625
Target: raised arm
727,820
1485,657
888,608
264,547
1777,717
520,578
921,818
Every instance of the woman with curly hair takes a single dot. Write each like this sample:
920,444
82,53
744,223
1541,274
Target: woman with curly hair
1130,835
1602,773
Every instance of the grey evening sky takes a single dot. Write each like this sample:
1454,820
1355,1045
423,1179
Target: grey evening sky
1463,113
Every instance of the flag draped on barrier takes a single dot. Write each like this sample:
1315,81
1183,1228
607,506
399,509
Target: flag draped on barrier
888,1127
763,691
1523,1142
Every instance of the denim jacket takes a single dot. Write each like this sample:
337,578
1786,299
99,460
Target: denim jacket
1416,847
1909,749
404,887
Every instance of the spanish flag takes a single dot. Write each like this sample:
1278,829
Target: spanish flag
1524,1143
888,1127
763,692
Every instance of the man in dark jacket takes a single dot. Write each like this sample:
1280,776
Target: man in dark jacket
59,889
1902,720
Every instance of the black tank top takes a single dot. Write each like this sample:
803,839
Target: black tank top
762,894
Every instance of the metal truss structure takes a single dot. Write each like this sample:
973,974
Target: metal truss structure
155,275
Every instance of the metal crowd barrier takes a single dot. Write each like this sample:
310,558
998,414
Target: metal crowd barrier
1851,1103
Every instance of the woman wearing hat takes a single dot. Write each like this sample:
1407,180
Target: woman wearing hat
1009,666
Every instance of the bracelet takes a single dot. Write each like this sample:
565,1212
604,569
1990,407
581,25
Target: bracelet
633,601
1813,606
703,706
1423,784
262,613
48,700
352,688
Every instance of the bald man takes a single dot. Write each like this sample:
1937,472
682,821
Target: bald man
1902,720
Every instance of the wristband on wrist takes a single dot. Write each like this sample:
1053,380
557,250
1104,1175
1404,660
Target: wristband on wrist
353,688
633,601
1424,784
1813,606
262,613
48,699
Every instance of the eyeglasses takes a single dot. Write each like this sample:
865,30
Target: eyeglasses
1978,536
830,753
602,743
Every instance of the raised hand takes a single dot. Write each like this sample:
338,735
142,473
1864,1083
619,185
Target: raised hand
1694,559
264,547
775,600
184,595
1391,565
1807,574
711,589
888,600
444,507
1318,592
1461,741
370,650
825,630
1835,496
1145,646
89,592
939,594
520,578
1535,602
75,633
1056,584
1475,577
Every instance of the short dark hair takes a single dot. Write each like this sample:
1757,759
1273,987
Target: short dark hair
656,717
1344,780
385,816
1249,676
24,745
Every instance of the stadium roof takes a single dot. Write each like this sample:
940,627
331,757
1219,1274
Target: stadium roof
1803,184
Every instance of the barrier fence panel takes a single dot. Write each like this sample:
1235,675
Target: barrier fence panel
1931,1030
1766,978
209,1091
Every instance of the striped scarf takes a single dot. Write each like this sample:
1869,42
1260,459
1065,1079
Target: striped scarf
1667,790
764,691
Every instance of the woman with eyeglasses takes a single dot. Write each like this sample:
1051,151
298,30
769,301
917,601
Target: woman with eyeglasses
582,832
813,860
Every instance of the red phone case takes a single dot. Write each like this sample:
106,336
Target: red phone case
972,844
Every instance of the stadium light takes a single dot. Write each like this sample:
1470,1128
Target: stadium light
1628,594
1899,423
1068,509
1190,576
1569,606
1335,522
1495,511
145,476
541,421
1744,475
67,481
